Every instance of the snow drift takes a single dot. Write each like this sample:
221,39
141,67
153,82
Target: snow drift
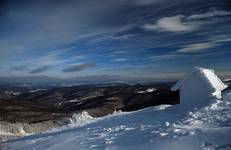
207,127
199,86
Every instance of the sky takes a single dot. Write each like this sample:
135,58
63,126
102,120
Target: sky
122,39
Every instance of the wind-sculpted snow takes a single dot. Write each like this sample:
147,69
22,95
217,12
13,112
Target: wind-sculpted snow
163,127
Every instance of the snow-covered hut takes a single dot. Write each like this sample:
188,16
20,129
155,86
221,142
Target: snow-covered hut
199,86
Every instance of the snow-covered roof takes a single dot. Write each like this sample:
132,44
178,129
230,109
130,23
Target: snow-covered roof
207,77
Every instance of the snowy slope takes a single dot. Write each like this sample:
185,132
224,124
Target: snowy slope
162,127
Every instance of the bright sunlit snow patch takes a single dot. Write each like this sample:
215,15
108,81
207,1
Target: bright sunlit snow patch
80,119
149,90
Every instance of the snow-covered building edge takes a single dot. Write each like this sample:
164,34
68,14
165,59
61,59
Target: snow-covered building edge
198,86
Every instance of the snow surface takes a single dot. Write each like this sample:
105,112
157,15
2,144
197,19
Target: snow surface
212,79
163,127
227,79
207,77
149,90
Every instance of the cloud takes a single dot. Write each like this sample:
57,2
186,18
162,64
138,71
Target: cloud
51,58
143,2
66,23
39,70
170,24
123,37
119,59
77,68
184,23
100,38
23,67
164,57
221,38
210,14
197,47
213,42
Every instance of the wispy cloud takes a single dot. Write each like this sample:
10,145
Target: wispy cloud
197,47
51,58
212,42
23,67
39,70
164,57
144,32
123,37
170,24
42,63
210,14
119,59
77,68
65,24
184,23
144,2
220,38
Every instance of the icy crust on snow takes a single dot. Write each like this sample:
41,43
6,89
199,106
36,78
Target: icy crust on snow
161,127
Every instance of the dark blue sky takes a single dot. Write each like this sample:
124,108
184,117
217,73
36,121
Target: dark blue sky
124,38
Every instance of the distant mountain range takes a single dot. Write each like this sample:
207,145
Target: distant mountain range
87,79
